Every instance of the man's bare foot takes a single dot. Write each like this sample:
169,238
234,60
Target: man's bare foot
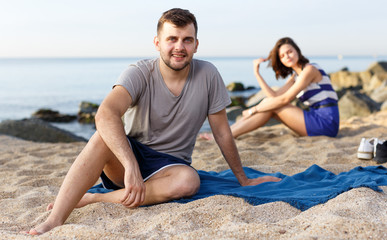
42,228
206,136
85,200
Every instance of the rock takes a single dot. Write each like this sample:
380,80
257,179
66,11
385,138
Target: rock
345,79
237,101
38,131
376,80
87,111
235,86
234,112
384,106
340,93
378,67
354,103
250,88
256,98
365,77
52,116
380,94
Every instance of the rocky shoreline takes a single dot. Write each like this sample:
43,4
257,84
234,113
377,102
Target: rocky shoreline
360,94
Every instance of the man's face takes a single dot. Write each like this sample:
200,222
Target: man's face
176,45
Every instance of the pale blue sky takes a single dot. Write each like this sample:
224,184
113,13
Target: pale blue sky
118,28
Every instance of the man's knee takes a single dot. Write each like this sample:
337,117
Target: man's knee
187,183
98,148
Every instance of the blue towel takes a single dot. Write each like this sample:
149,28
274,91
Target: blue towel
303,190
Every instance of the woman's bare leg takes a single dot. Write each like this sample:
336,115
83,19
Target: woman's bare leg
251,123
291,116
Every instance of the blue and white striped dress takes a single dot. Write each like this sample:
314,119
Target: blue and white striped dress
319,94
323,116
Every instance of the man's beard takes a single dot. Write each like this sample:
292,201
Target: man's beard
168,63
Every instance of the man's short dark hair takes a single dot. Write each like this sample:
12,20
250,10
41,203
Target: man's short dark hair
178,17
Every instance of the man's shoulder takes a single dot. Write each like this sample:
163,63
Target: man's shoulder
141,68
203,65
148,64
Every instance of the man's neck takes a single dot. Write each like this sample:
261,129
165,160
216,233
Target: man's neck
175,80
170,74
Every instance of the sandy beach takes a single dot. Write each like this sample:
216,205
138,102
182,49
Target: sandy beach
32,173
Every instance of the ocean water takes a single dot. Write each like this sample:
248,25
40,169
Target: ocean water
62,83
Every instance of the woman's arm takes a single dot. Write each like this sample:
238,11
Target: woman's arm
269,92
308,75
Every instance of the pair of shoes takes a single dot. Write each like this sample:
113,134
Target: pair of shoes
367,148
381,152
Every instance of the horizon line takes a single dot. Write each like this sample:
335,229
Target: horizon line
339,56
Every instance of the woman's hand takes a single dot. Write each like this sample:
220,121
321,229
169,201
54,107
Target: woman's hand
257,62
249,112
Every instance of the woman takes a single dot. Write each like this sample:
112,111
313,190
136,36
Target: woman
307,82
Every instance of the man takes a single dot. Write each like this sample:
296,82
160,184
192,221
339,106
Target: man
165,102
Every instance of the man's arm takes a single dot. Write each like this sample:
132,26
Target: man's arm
223,137
110,127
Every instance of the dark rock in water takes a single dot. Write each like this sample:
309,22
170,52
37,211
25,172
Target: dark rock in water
235,86
237,101
37,131
53,116
87,111
250,88
234,112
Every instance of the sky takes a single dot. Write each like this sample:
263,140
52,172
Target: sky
118,28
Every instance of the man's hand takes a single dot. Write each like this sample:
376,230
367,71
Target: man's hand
256,181
134,194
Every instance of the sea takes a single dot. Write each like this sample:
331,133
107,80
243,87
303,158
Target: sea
61,84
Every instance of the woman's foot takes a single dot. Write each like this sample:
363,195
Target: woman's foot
206,136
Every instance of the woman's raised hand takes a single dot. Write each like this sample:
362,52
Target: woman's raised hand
258,61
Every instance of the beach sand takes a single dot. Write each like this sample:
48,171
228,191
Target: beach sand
32,173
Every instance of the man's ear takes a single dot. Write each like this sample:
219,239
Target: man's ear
156,42
197,44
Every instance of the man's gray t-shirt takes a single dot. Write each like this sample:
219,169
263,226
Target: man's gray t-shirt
163,121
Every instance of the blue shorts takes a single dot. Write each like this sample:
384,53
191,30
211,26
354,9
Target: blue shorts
323,121
149,161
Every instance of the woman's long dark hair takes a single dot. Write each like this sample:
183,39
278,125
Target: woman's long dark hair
275,62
